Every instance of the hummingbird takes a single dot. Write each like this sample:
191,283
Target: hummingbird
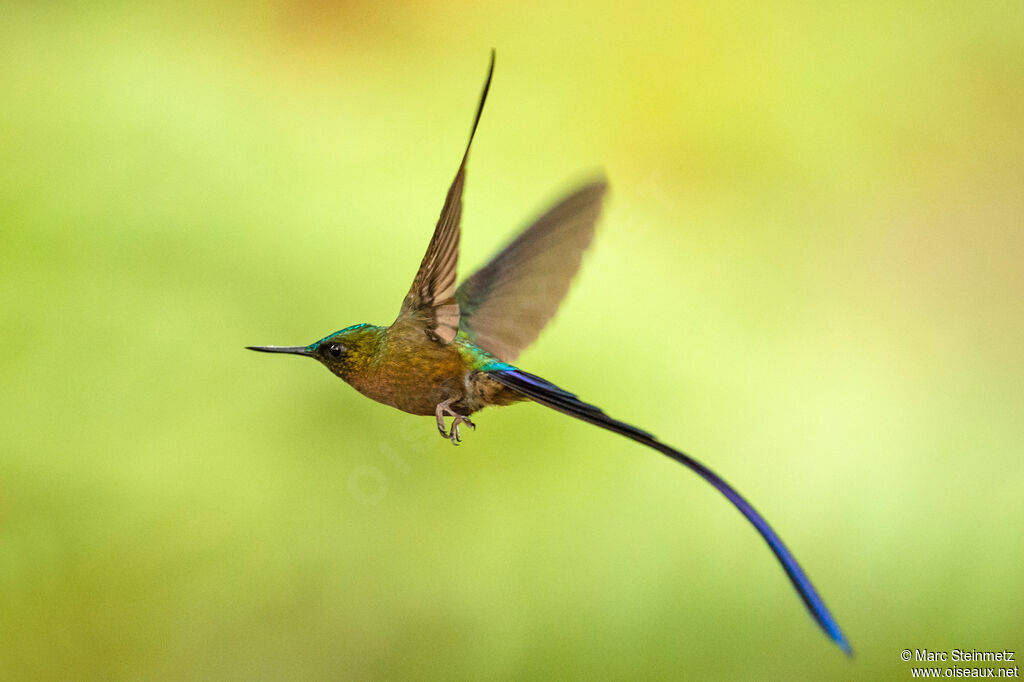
449,353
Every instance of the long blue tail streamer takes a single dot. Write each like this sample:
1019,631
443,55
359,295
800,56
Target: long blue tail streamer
550,395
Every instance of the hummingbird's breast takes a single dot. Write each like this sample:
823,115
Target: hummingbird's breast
414,373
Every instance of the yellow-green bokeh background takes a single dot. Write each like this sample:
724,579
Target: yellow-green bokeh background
809,275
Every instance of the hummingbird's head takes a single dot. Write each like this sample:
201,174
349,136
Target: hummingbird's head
343,352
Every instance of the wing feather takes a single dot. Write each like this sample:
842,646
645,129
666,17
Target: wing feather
431,299
505,304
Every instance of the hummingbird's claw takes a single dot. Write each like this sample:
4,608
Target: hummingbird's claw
444,410
454,434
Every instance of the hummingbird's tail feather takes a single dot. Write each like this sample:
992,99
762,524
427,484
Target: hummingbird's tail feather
549,395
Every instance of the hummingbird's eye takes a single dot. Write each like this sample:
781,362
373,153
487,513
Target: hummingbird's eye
335,351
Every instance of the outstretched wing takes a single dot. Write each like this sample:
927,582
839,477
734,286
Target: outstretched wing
506,303
431,299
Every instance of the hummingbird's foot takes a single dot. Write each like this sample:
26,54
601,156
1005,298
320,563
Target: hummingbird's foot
454,435
444,410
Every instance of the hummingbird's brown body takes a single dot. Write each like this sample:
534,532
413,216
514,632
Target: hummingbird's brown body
402,367
448,353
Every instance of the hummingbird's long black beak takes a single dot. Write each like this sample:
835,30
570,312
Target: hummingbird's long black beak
294,350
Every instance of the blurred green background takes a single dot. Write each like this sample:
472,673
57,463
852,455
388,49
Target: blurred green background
809,275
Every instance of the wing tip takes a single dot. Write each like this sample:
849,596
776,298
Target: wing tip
483,100
592,182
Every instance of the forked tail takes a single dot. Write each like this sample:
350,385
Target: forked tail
546,393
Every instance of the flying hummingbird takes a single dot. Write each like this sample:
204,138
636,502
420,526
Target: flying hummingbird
448,353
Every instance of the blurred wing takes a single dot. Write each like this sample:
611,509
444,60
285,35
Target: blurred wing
431,299
506,303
